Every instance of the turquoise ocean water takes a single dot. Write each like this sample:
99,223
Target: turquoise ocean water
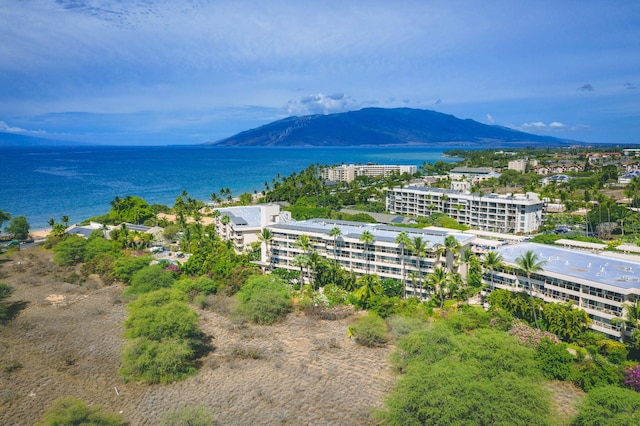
45,182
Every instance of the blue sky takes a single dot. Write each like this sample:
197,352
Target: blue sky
159,72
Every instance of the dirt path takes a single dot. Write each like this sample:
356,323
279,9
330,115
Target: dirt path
67,341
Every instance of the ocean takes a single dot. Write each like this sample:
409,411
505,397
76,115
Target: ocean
49,182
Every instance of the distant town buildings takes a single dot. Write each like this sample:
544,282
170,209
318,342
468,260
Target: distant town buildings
347,173
518,213
517,165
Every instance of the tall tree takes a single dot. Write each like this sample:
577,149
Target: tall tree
439,279
418,246
367,238
403,241
335,232
529,264
4,216
266,236
368,287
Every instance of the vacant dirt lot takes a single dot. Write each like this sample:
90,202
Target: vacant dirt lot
66,341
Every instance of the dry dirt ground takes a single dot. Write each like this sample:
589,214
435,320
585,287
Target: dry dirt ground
66,340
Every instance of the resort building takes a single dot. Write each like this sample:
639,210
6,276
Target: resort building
472,174
341,241
598,282
347,173
245,223
517,213
517,165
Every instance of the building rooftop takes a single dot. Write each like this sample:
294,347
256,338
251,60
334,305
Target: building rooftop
621,273
380,232
243,215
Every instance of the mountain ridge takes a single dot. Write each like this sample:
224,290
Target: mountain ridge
381,127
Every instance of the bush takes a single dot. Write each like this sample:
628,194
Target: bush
554,359
594,372
202,285
174,319
150,278
616,352
370,330
264,299
5,291
157,361
70,251
126,266
632,377
401,325
191,416
73,411
609,405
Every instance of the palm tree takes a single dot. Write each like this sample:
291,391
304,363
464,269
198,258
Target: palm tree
65,220
465,257
418,246
369,286
302,261
225,220
492,261
439,280
403,240
367,238
266,236
528,263
335,233
451,250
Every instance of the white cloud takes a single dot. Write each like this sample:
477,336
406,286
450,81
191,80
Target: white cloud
557,125
322,104
490,119
5,128
535,125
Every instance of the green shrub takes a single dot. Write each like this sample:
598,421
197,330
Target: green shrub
370,330
126,266
150,278
554,359
157,361
73,411
595,371
173,320
264,299
189,416
616,352
609,405
70,251
5,291
201,284
402,325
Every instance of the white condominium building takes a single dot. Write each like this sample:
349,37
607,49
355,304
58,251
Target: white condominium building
518,213
598,283
245,223
347,173
383,256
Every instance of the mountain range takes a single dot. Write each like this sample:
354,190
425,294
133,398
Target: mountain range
383,127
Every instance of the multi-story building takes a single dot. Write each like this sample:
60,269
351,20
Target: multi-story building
517,213
473,174
246,222
347,173
517,165
383,256
599,283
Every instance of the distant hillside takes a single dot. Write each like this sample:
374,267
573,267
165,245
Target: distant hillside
12,139
379,127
